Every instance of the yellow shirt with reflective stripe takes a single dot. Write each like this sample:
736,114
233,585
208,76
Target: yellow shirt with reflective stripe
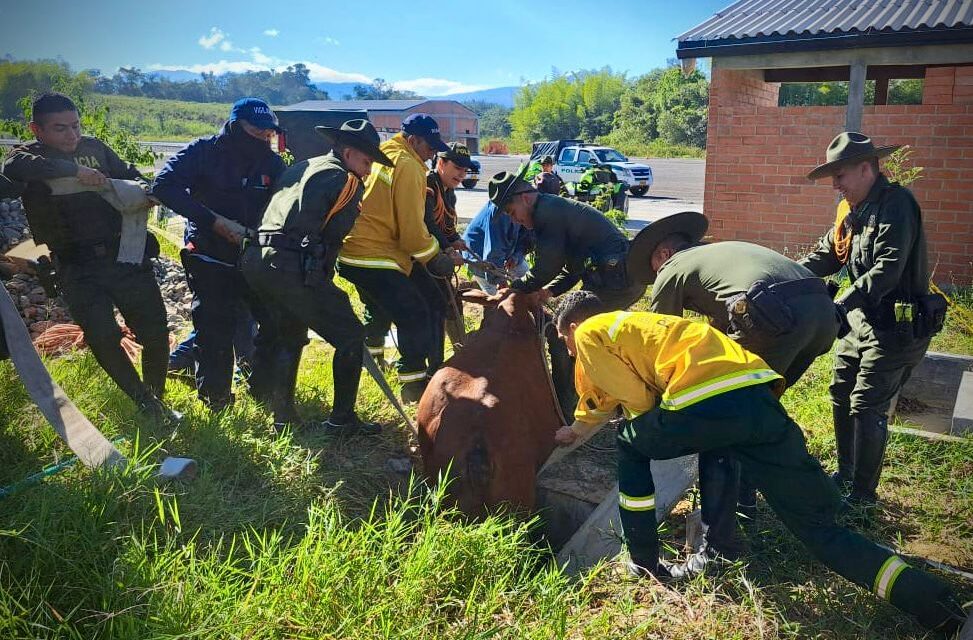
637,360
391,231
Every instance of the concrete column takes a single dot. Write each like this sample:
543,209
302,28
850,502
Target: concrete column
856,97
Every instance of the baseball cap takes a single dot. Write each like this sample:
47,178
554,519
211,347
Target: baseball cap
424,126
458,154
256,112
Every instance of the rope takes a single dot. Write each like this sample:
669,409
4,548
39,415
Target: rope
842,235
542,322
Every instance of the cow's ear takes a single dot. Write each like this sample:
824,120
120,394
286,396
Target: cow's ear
476,296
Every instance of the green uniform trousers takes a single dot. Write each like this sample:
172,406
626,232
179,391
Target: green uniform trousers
753,426
92,291
871,365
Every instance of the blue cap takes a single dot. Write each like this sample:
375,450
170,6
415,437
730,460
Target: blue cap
422,125
256,112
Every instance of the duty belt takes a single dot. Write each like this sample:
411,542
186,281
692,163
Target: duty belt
282,242
89,252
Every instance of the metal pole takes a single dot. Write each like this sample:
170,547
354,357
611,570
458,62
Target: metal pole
856,97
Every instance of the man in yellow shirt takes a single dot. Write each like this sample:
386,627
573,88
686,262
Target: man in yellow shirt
390,256
686,388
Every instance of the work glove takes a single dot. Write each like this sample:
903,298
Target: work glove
441,265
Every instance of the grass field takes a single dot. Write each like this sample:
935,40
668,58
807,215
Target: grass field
164,120
302,535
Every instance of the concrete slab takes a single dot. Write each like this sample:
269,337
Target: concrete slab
935,381
963,409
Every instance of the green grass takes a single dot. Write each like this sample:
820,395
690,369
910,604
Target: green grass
302,535
164,120
957,333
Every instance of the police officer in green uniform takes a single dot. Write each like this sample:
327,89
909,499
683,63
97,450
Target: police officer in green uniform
83,232
767,303
291,267
573,243
688,389
879,240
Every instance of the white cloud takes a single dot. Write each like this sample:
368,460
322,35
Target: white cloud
259,61
435,86
330,40
215,37
226,45
273,33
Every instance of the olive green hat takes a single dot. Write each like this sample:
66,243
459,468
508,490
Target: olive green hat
691,224
849,147
505,185
358,134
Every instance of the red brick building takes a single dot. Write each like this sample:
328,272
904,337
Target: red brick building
456,122
758,153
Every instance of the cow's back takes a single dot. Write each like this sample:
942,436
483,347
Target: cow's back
490,412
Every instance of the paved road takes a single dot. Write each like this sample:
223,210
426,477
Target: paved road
677,186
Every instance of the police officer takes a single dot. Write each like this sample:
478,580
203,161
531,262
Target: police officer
391,257
221,184
879,240
687,388
765,302
83,232
547,181
291,267
573,243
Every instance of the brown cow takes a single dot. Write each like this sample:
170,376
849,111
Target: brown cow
489,412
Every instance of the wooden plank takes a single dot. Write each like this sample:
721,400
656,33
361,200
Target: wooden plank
843,73
946,54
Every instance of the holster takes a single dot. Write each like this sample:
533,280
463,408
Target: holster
47,277
763,308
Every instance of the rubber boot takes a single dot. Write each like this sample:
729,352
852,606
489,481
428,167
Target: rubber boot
646,563
286,368
412,391
871,436
844,436
262,379
719,488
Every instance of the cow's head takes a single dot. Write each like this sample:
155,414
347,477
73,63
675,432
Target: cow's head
516,313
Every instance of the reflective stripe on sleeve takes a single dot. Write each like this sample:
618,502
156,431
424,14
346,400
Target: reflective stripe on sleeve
717,386
636,503
887,575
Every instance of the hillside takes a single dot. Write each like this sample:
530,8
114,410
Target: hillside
165,120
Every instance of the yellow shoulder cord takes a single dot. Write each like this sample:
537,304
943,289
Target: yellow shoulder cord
347,193
842,235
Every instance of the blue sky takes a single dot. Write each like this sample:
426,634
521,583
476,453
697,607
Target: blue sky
433,48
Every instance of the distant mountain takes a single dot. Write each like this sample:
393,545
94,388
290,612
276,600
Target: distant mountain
337,90
503,96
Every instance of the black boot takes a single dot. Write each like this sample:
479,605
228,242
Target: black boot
844,436
155,365
346,365
871,435
286,367
719,488
645,562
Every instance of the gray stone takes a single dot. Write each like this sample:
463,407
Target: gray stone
963,410
935,380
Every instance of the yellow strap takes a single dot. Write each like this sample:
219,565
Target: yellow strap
347,193
842,236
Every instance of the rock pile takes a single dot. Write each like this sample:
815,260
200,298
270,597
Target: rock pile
175,291
13,224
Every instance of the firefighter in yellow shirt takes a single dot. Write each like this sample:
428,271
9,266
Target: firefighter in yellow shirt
686,388
390,256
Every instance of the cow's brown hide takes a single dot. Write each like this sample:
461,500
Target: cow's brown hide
490,413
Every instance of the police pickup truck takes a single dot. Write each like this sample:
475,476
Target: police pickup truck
573,157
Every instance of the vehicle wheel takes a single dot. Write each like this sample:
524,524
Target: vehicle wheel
469,184
638,192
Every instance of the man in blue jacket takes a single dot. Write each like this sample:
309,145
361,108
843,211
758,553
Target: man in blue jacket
500,241
222,184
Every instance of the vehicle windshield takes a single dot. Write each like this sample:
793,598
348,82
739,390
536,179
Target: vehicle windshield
610,155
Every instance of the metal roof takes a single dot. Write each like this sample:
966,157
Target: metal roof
364,105
756,18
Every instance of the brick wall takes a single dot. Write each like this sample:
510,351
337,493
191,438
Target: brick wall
758,154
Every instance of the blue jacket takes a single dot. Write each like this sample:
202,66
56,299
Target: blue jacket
497,238
226,174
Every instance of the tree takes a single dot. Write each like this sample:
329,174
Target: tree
379,89
495,122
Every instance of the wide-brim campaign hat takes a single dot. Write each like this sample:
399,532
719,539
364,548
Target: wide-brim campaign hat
458,154
358,134
847,148
691,224
506,185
